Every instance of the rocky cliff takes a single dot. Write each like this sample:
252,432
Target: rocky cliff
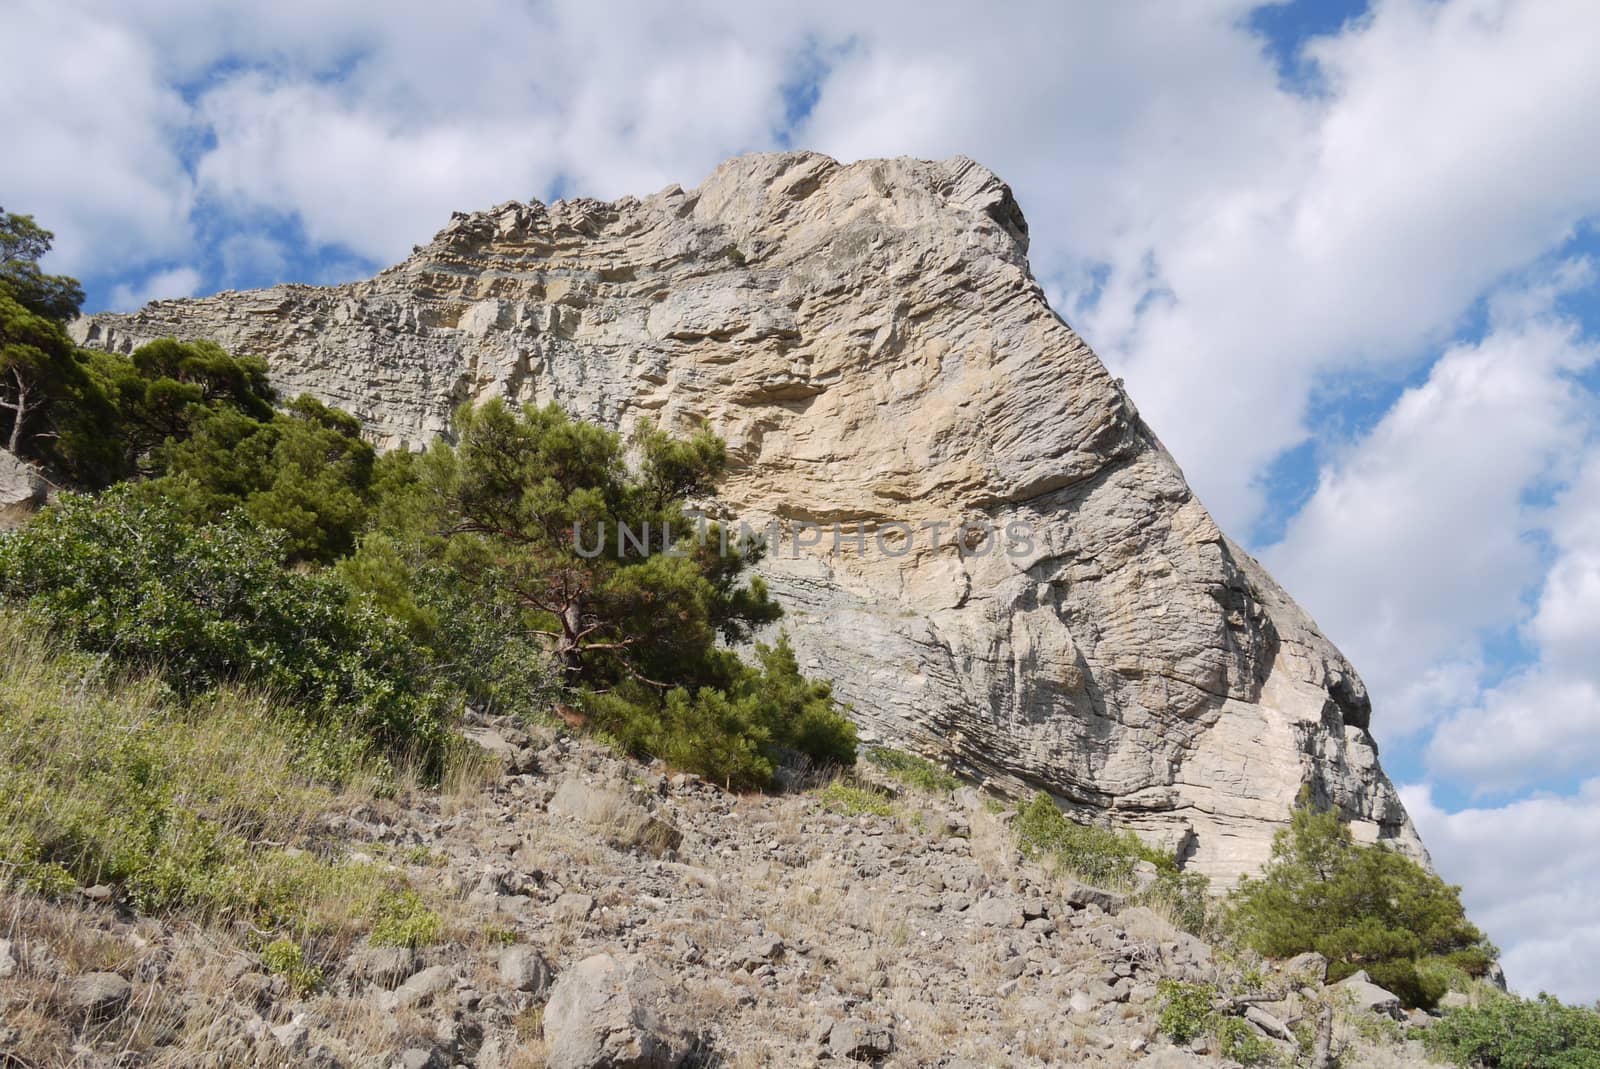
870,342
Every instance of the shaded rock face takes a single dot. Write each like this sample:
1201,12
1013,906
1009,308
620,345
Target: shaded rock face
870,342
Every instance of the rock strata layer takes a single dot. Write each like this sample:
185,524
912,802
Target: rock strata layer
870,341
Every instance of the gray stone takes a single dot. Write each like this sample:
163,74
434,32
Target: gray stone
385,966
1454,1000
624,822
421,1058
759,951
610,1013
99,996
421,988
293,1035
859,1041
998,913
1310,965
8,960
1079,895
573,906
22,490
1366,995
523,968
1268,1023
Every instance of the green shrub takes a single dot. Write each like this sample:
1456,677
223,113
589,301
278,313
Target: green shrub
854,801
208,605
1094,854
404,920
913,771
1514,1033
1186,1012
736,734
286,958
1108,857
1237,1039
1361,907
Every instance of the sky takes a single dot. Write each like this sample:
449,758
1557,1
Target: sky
1345,256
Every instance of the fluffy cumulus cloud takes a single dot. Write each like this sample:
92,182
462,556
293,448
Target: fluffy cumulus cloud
1419,537
1528,872
1261,250
1543,723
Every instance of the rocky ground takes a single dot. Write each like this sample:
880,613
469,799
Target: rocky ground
601,913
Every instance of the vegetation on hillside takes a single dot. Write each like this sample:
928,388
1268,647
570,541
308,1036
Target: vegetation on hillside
464,574
1361,907
1111,858
1513,1033
195,806
596,560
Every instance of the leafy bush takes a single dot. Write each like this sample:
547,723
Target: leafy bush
475,639
912,770
212,604
1186,1012
1108,857
1361,907
1240,1042
1514,1033
286,958
1099,855
404,920
854,801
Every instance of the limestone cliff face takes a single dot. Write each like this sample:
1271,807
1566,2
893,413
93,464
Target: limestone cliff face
869,340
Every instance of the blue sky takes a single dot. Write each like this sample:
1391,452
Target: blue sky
1344,257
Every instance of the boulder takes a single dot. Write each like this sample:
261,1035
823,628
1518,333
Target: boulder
607,1012
22,490
1079,895
858,1041
1311,966
98,996
1268,1023
523,968
421,988
625,822
1366,995
385,966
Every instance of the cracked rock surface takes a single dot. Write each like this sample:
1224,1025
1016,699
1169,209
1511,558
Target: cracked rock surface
869,340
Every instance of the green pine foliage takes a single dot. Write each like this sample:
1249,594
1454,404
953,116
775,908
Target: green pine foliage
1513,1033
592,560
1362,907
305,471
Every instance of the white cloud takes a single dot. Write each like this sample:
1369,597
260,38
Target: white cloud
1528,872
1417,539
1545,720
92,137
176,282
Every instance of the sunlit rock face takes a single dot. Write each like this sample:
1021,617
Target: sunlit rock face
869,340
